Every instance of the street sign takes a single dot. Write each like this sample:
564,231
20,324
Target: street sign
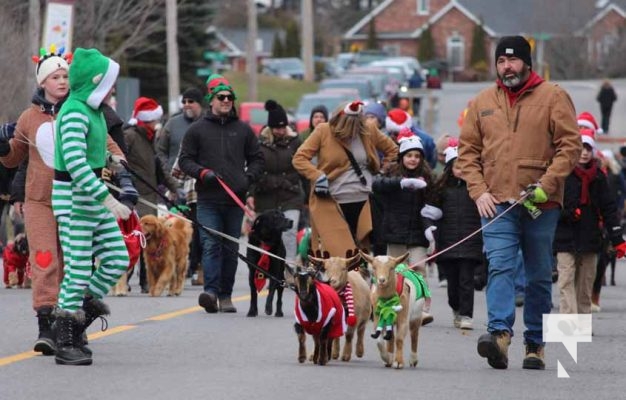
214,56
203,71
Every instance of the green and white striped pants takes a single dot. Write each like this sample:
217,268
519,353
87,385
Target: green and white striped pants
83,237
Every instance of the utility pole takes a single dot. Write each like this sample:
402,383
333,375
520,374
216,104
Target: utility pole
307,40
251,60
173,78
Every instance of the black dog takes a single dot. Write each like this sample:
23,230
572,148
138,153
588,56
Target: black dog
266,233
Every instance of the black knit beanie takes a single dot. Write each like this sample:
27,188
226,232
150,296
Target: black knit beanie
514,46
276,115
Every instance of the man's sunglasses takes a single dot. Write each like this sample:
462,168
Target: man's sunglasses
188,101
222,97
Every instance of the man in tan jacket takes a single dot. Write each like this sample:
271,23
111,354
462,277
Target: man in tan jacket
519,136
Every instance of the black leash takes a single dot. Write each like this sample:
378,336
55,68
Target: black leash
187,215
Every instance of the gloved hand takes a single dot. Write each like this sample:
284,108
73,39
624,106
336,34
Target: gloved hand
207,175
119,210
620,250
429,234
536,193
321,188
116,163
412,183
128,195
7,131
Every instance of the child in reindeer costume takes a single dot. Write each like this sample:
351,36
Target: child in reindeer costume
85,210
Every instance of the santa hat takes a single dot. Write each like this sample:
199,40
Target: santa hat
49,62
397,119
451,153
410,143
353,108
586,119
588,136
146,109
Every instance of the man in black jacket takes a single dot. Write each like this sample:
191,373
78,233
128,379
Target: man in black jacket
221,152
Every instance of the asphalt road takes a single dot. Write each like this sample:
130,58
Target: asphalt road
168,348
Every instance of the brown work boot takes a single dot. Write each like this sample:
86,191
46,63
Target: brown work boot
226,305
534,357
208,301
495,348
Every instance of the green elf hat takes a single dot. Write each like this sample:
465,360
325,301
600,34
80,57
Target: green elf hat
217,83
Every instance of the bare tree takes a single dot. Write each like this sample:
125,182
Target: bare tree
117,26
14,54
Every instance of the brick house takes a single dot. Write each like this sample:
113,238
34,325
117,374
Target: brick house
593,24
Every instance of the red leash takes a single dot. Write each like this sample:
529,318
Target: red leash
249,213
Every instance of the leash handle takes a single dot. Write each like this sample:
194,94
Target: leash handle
523,197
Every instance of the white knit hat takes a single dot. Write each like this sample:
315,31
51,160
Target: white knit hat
451,153
410,143
48,66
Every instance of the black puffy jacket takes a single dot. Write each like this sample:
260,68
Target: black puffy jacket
402,222
583,233
460,219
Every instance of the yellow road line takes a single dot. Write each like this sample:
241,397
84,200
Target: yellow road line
17,357
119,329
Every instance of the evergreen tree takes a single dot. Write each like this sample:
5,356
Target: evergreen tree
277,46
478,57
426,50
372,39
292,40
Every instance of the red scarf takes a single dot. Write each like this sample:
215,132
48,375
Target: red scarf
586,175
533,80
149,131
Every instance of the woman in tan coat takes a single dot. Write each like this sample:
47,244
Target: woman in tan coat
339,197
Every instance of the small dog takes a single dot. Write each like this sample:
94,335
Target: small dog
165,254
266,233
16,265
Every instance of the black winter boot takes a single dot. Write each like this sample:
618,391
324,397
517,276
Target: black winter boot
67,324
45,341
93,309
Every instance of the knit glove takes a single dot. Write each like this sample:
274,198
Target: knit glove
207,175
116,163
129,195
6,133
412,183
536,194
429,234
620,250
321,188
431,212
119,210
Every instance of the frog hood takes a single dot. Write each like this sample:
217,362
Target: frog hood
92,75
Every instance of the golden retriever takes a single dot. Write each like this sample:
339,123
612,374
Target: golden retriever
165,254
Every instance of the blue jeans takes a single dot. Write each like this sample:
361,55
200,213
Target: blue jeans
503,239
520,277
219,255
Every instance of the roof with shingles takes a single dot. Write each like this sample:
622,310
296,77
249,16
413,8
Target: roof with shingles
507,17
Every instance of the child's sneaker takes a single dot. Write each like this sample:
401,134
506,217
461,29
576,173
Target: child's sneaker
466,323
456,319
427,318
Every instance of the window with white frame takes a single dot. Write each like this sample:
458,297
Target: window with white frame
456,52
423,7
